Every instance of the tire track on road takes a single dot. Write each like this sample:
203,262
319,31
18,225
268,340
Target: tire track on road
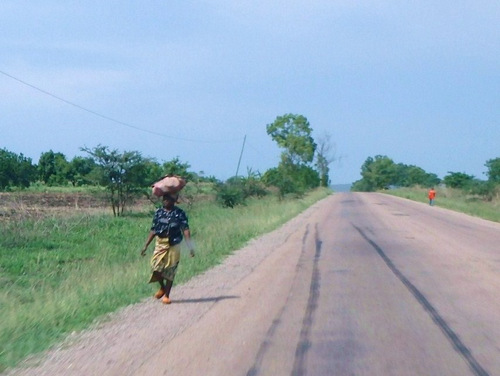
312,303
264,347
454,339
304,342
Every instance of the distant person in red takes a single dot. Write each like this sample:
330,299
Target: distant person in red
432,196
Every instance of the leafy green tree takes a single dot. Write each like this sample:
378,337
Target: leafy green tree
379,172
291,179
176,167
78,170
361,185
458,180
432,180
409,176
293,134
153,170
307,176
15,170
278,177
493,173
125,175
52,168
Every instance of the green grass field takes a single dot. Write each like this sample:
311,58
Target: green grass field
60,273
453,199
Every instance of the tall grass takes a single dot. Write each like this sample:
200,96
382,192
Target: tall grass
454,199
60,273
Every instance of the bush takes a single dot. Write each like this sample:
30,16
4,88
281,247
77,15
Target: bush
237,189
486,189
230,194
292,179
459,180
253,187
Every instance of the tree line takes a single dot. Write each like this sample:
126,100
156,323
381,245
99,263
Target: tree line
304,164
381,172
124,175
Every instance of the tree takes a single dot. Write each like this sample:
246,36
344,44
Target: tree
78,170
15,170
361,185
279,178
409,176
291,179
52,168
458,180
379,172
125,175
493,173
293,133
325,155
432,180
176,167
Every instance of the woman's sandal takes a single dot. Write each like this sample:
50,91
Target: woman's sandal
166,300
159,294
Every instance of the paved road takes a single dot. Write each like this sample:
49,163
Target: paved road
371,285
404,289
360,284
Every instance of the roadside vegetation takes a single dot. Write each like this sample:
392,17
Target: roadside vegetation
71,230
457,190
454,199
62,272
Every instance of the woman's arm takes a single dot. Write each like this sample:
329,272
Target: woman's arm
187,236
149,239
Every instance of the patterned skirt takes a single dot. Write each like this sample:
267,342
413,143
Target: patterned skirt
165,260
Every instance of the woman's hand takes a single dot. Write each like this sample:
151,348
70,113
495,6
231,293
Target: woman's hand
150,238
191,252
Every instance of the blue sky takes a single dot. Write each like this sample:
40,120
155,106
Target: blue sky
417,81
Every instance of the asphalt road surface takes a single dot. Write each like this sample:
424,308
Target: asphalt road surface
359,284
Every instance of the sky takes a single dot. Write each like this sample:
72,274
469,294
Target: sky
417,81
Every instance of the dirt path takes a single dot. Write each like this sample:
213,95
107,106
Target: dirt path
401,288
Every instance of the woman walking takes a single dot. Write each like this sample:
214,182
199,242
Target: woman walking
170,225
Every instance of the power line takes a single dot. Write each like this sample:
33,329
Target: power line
107,117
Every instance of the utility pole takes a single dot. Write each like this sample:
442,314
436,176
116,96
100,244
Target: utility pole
239,161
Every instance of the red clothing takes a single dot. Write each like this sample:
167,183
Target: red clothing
432,194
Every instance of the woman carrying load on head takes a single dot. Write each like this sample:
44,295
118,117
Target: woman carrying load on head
170,225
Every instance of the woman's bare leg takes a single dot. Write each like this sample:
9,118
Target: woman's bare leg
161,291
168,287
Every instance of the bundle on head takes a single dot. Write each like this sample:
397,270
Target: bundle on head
168,184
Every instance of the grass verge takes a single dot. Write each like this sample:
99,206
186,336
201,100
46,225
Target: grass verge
453,199
60,273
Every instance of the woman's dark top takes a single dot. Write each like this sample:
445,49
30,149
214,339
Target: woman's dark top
170,224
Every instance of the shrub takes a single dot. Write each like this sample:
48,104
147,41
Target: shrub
230,193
